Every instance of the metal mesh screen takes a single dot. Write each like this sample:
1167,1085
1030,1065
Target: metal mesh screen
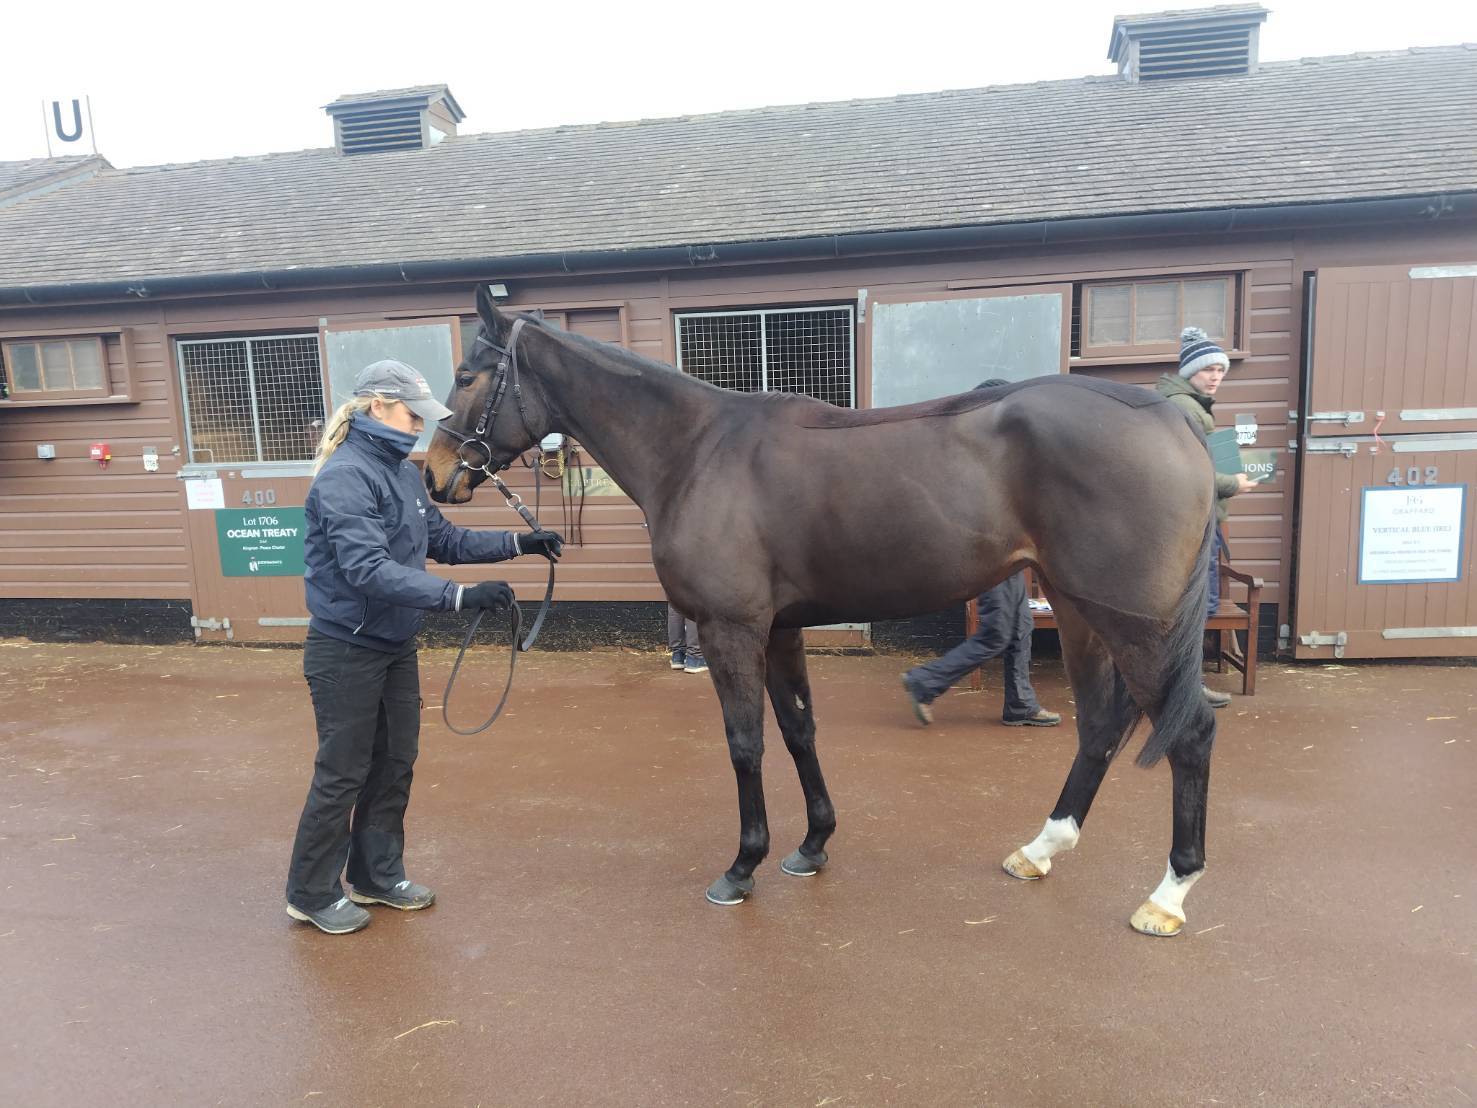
289,397
810,352
252,400
724,350
804,350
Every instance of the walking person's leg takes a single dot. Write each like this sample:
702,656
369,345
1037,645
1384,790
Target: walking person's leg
346,683
1020,707
927,682
676,638
376,866
695,663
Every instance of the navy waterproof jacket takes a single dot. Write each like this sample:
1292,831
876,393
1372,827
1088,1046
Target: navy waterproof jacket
370,526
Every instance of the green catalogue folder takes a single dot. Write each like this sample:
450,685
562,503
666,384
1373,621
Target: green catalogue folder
1224,451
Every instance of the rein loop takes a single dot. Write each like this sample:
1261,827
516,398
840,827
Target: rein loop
507,371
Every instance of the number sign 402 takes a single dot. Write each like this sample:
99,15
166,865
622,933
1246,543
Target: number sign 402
1414,475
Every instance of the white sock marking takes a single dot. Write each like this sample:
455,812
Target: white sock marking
1056,836
1170,895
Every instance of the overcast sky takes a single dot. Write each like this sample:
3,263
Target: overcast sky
181,82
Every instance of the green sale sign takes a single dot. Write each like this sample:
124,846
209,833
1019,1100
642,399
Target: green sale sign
260,543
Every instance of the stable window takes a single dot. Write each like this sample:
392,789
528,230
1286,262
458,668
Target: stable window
53,369
1145,317
252,399
804,350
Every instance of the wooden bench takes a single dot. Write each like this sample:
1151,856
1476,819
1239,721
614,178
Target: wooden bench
1230,619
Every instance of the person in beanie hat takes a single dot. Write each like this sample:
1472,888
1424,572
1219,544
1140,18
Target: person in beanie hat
1192,389
370,526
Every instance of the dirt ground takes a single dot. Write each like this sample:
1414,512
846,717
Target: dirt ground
148,798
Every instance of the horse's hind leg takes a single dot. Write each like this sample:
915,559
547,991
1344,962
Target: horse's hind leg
1189,762
735,656
789,692
1105,714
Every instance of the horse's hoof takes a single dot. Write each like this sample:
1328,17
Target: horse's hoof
800,864
728,891
1018,865
1151,919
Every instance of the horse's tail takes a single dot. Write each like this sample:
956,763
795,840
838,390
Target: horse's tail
1184,646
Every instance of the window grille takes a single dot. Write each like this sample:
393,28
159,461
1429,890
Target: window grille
1146,316
252,399
804,350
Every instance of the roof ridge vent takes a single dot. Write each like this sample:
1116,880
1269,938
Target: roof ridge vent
1199,42
394,119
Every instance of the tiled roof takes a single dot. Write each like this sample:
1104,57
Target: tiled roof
17,178
1323,129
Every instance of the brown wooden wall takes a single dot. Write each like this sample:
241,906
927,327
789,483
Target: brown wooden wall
67,530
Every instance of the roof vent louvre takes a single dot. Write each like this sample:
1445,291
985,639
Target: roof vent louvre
396,119
1203,42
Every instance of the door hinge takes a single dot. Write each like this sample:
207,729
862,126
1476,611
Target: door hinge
212,625
1348,419
1338,641
1330,446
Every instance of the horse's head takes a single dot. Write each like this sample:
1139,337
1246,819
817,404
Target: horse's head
497,409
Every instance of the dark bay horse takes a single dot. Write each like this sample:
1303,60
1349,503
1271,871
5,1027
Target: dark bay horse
769,513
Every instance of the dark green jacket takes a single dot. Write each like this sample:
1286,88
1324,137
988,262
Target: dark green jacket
1197,406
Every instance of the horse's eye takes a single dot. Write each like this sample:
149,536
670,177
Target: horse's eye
465,381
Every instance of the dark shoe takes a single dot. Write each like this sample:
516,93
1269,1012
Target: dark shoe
1039,718
920,706
339,918
695,664
406,896
1214,697
679,659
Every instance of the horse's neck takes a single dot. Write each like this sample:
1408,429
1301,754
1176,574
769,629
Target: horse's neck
640,426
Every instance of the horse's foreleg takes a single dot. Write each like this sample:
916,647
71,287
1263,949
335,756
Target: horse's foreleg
789,692
735,655
1105,713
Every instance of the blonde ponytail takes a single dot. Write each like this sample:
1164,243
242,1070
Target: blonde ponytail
338,427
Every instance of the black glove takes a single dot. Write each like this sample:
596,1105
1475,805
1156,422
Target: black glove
495,596
548,543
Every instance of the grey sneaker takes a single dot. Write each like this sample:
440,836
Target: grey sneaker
406,896
339,918
1214,697
1039,718
695,664
679,659
920,706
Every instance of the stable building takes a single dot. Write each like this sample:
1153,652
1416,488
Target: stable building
173,336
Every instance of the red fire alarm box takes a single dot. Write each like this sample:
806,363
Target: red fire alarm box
100,453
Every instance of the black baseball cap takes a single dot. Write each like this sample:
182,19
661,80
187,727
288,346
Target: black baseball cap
397,381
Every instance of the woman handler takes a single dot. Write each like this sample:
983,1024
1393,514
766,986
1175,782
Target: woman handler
370,525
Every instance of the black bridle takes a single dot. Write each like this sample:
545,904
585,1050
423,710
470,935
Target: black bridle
506,373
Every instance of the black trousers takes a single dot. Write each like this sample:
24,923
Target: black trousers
368,709
1004,629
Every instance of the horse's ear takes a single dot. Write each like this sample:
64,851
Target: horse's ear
487,311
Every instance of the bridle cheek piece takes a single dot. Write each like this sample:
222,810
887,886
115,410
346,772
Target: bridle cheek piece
507,372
